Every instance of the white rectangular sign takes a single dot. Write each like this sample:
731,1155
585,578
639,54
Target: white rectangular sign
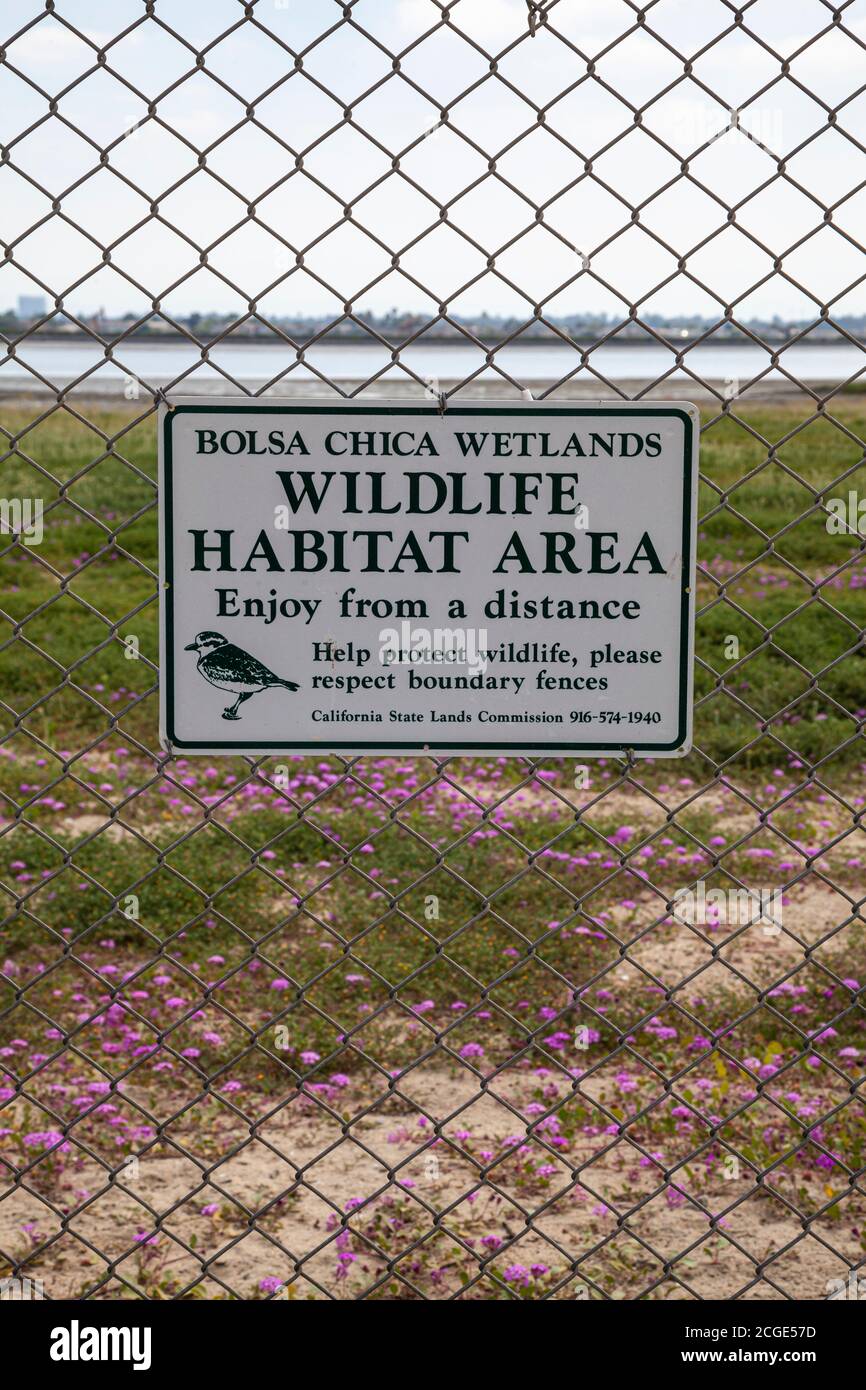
390,577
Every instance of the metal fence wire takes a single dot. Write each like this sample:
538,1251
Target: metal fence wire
344,1027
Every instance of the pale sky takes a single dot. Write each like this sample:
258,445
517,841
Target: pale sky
487,108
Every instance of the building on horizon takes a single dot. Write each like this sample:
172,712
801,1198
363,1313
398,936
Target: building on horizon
31,306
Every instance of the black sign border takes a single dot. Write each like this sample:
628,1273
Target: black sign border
446,747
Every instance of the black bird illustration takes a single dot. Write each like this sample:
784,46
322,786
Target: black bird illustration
229,668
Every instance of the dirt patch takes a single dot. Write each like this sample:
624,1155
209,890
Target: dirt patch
734,956
272,1206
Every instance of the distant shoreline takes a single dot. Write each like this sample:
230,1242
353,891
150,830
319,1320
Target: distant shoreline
150,365
335,340
109,392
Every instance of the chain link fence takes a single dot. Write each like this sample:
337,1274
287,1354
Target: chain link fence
414,1028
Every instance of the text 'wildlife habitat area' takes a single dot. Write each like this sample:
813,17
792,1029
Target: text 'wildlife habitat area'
400,578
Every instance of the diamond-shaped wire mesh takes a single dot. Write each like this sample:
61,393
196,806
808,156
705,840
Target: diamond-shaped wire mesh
364,1028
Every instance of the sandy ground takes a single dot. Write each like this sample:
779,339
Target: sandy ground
640,1243
281,1185
602,1224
